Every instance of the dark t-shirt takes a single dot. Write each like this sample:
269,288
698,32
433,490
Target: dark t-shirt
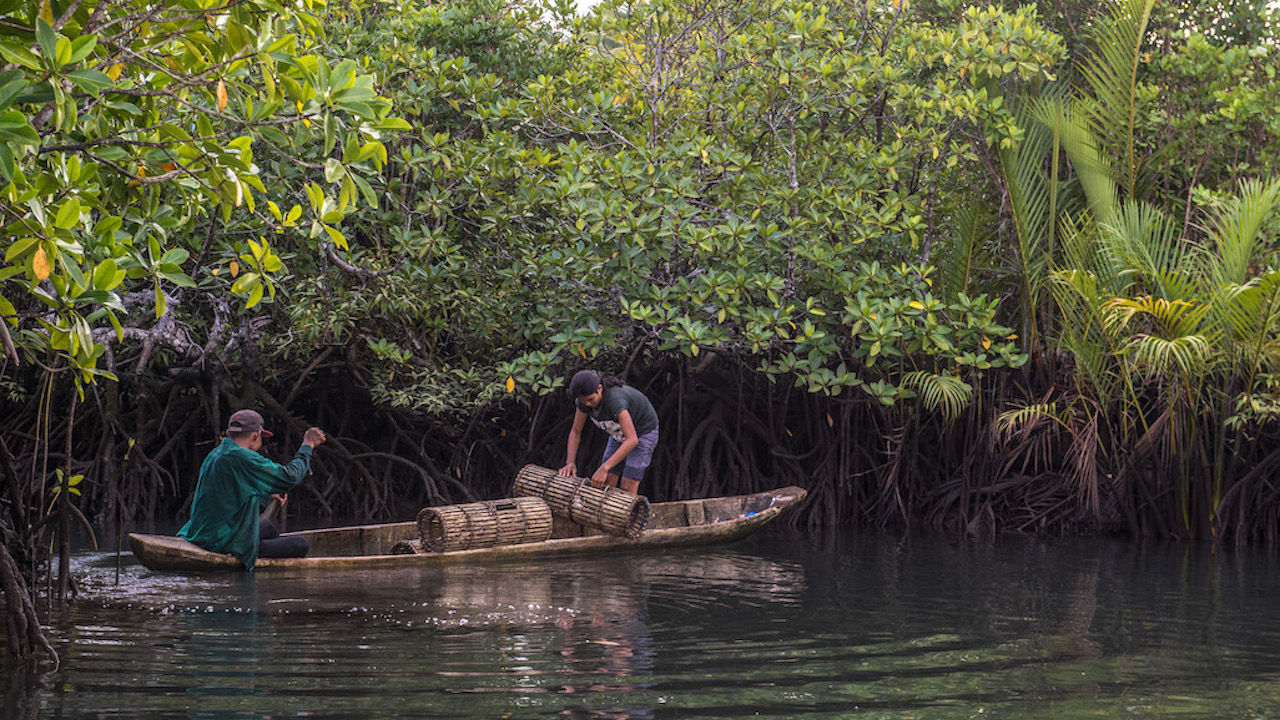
617,399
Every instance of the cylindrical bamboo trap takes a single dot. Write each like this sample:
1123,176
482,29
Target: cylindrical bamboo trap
614,511
484,524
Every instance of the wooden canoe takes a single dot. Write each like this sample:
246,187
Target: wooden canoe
671,524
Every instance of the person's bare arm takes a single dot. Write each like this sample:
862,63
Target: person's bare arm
601,475
571,451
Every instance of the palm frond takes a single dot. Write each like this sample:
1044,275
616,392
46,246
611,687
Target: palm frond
1169,319
1186,356
1243,311
1234,229
1048,110
966,251
1080,251
1246,309
1145,246
1253,314
946,393
1083,460
1084,150
1112,75
1085,335
1022,418
1030,201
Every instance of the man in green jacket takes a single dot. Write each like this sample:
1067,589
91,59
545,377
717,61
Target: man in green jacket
235,481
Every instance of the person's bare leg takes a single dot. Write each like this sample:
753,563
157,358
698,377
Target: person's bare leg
631,486
611,481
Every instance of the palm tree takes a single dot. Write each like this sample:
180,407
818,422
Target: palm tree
1171,331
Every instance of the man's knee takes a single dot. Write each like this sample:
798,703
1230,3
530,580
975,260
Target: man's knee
267,530
285,546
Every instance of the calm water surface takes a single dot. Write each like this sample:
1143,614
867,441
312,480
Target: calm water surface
787,624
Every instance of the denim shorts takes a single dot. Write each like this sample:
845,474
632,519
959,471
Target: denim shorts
636,461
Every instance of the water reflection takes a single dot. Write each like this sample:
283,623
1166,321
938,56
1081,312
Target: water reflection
787,625
569,636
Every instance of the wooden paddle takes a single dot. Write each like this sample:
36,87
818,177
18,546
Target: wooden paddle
272,508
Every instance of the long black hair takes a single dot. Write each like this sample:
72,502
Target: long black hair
585,382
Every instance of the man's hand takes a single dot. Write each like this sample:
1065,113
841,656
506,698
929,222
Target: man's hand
314,436
569,470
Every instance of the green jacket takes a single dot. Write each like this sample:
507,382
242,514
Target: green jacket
233,485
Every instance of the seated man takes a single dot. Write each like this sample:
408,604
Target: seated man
234,483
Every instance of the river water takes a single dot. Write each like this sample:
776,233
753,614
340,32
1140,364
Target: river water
786,624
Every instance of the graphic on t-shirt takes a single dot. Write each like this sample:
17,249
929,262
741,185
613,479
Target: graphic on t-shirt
613,427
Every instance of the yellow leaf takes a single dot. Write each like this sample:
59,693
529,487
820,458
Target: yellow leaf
986,343
581,352
1012,337
222,95
235,268
215,271
114,70
40,265
46,13
511,384
935,152
916,304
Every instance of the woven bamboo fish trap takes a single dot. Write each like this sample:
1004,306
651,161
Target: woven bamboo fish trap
484,524
616,512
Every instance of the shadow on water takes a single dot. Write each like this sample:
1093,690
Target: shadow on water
784,625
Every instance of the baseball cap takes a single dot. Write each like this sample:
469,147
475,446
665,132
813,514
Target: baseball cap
246,421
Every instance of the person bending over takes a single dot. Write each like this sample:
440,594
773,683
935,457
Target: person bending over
629,418
235,482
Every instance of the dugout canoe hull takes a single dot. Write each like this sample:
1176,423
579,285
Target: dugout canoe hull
360,547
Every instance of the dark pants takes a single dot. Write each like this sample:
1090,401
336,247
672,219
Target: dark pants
273,545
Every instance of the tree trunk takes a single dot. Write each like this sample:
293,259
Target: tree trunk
21,621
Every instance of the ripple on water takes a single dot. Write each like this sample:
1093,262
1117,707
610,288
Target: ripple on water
876,631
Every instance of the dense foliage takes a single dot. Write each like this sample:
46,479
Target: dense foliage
982,268
132,144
